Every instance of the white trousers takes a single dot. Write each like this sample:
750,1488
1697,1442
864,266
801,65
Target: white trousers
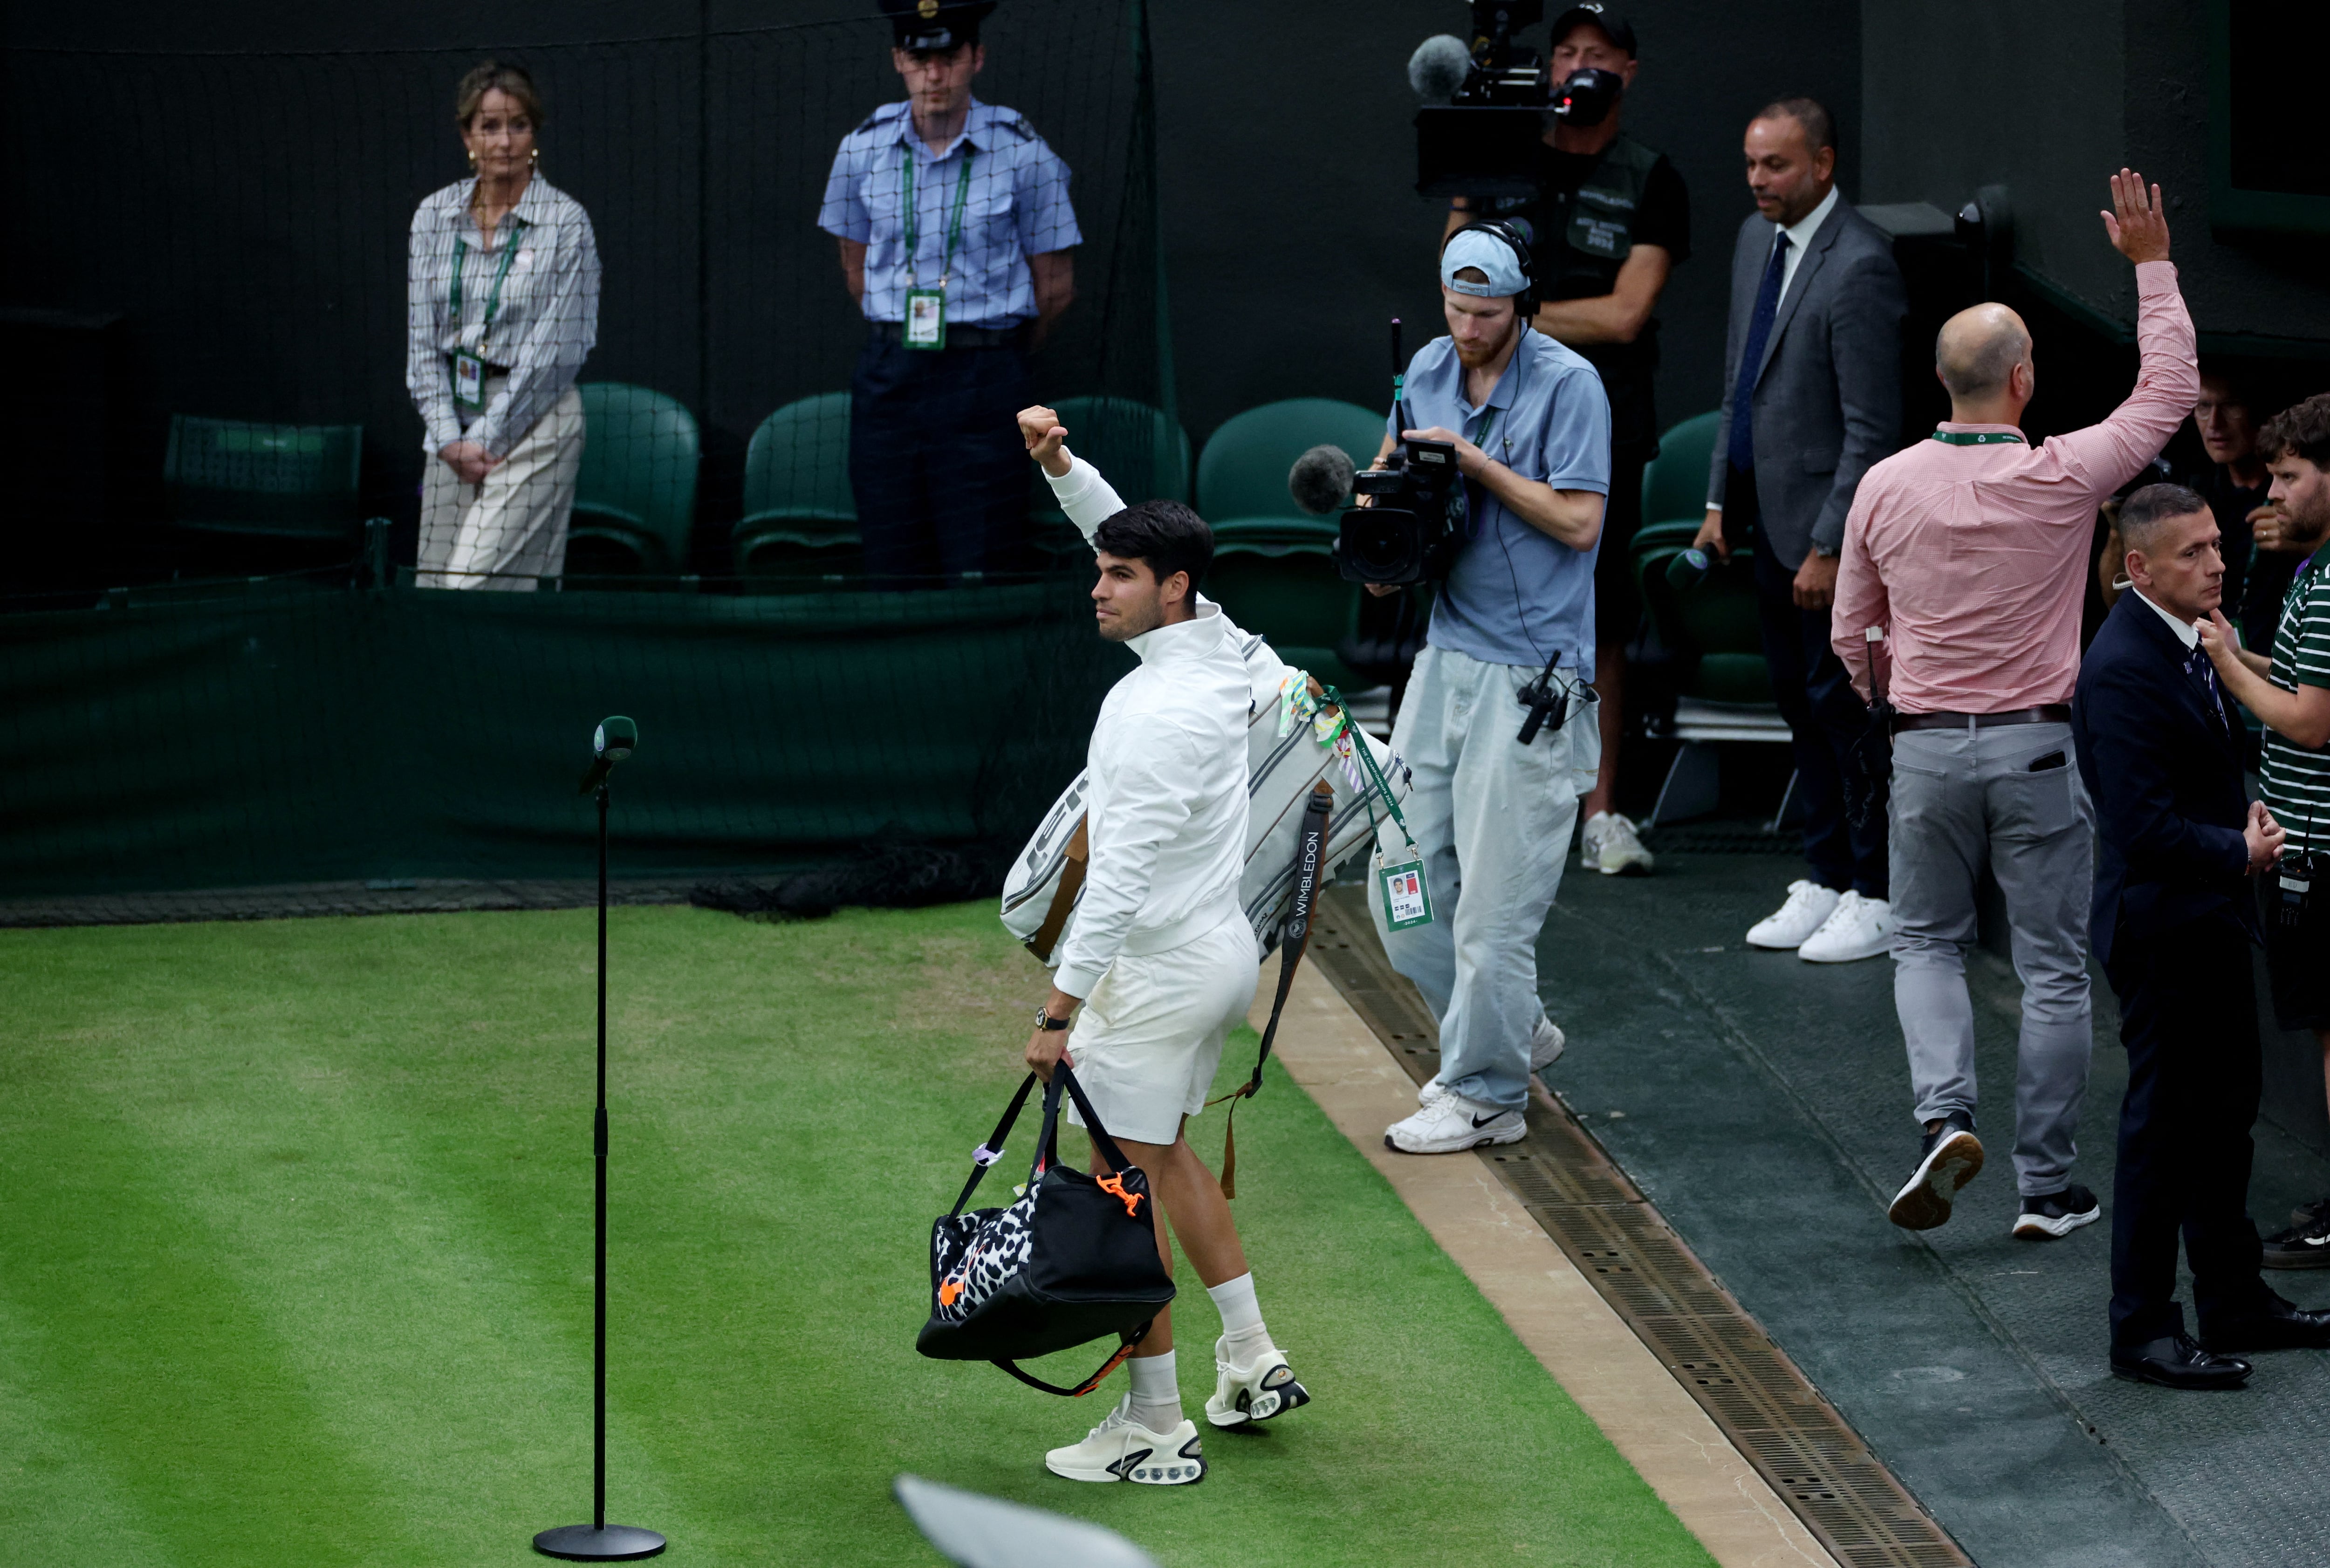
1491,819
515,524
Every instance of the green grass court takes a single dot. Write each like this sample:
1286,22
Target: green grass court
295,1231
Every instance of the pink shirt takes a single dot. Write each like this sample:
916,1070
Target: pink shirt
1975,557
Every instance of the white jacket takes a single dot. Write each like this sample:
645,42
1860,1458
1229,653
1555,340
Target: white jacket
1168,770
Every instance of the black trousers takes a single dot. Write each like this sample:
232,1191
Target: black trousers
2188,1018
1826,718
936,463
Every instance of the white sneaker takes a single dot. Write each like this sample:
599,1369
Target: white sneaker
1121,1449
1451,1123
1807,910
1545,1049
1860,928
1261,1388
1611,847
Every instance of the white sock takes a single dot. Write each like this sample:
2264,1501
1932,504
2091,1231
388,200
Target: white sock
1241,1316
1155,1400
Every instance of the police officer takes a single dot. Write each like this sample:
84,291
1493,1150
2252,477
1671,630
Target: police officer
955,232
1609,220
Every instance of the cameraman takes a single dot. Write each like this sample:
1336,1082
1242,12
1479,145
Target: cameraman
1609,221
1492,816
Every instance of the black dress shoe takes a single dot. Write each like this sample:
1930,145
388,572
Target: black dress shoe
2275,1326
2175,1361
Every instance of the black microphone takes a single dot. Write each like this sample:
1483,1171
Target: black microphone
1438,68
615,739
1320,480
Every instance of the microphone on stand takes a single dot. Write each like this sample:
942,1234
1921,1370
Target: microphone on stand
615,739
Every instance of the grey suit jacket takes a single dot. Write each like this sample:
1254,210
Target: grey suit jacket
1828,396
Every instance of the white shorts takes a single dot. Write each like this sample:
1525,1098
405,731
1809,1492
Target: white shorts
1146,1042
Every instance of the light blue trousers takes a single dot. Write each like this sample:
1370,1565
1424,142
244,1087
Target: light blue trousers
1492,819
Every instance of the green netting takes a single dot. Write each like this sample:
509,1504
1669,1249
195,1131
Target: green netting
292,736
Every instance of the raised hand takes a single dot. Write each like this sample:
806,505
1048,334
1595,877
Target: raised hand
2138,224
1041,429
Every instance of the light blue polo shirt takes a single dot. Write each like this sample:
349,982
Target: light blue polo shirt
1516,595
1014,206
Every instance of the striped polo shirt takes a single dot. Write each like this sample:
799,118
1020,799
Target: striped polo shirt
2298,780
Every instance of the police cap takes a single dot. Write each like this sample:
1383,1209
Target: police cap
1621,31
935,24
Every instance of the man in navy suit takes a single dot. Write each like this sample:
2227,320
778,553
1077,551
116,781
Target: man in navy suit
2173,922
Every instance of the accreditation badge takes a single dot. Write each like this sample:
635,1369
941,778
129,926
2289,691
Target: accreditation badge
469,383
925,319
1405,900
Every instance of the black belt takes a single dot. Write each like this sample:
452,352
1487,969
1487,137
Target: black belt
2052,714
1012,336
487,367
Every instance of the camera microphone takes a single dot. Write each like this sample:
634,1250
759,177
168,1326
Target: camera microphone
1438,68
615,739
1320,480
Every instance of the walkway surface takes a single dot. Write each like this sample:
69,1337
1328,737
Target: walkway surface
1763,1104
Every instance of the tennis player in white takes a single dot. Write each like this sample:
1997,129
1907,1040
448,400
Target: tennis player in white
1160,958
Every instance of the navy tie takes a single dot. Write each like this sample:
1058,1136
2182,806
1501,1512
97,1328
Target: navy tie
2197,665
1751,357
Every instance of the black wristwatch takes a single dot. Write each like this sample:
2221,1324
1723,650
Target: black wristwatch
1044,1019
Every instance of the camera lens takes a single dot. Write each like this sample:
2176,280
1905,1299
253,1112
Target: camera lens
1379,544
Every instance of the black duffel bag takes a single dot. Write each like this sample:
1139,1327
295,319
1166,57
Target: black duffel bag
1072,1259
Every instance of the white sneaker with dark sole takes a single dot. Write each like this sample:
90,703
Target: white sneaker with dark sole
1121,1449
1953,1157
1451,1124
1261,1388
1546,1046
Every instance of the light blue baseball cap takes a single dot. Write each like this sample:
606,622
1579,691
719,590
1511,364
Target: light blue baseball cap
1494,258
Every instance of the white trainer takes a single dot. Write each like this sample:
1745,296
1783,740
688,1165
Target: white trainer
1451,1123
1121,1449
1256,1391
1859,928
1807,910
1610,845
1546,1046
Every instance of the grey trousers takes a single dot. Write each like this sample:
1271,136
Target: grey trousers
1492,819
1962,798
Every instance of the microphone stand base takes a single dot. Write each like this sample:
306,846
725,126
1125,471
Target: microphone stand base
610,1544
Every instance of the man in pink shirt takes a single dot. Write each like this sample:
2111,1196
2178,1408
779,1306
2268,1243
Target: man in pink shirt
1968,551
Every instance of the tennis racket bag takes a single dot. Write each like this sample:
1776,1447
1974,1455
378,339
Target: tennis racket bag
1293,741
1071,1259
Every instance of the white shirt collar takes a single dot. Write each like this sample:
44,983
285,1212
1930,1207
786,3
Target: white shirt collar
2186,633
1182,639
1800,233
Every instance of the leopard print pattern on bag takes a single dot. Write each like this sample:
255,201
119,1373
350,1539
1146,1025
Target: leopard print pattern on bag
974,1254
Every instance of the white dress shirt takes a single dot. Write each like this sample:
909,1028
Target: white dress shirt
1800,238
2186,632
1166,810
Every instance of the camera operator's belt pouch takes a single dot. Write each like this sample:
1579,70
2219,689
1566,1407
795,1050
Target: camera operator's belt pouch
925,325
470,369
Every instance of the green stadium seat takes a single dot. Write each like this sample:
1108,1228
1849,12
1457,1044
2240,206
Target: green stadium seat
1674,484
1273,569
1143,454
635,500
1711,628
280,483
799,518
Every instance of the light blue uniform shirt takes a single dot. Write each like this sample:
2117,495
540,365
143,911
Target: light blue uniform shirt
1016,207
1515,595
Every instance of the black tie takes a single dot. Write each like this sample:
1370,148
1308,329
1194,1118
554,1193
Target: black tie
1742,454
2197,665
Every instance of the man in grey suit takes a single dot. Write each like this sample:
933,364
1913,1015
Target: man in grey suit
1812,378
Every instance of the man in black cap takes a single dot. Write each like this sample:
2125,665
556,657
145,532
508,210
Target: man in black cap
956,232
1609,221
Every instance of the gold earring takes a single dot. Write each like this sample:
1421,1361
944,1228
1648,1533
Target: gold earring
473,158
533,156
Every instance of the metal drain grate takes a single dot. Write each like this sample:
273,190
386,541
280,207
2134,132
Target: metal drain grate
1747,1384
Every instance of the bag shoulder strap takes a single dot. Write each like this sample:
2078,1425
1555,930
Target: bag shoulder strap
989,1152
1310,849
1115,1358
1063,896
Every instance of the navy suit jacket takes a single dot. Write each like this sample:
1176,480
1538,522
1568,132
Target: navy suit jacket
2166,781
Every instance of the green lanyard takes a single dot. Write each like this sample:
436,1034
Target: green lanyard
955,224
1978,438
494,299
